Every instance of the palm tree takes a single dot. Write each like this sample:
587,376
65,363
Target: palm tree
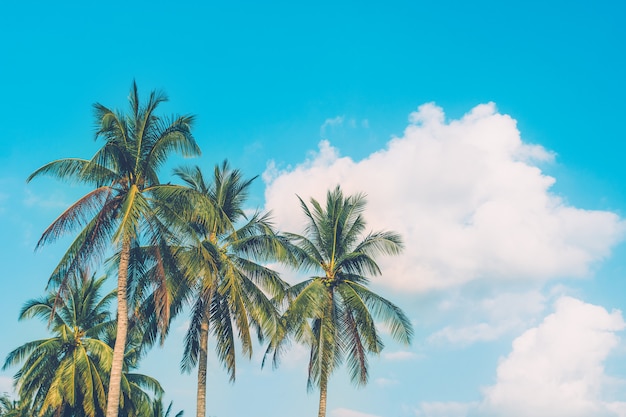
125,206
66,372
230,283
14,408
158,409
333,311
6,404
135,399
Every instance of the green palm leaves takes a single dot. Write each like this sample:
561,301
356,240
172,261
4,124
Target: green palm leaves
224,256
127,205
193,245
334,312
13,408
124,174
68,374
68,370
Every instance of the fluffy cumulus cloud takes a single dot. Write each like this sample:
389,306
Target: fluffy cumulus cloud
555,369
467,195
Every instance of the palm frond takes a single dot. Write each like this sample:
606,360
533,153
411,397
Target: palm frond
67,169
381,243
88,246
192,336
77,215
224,334
357,355
392,316
171,136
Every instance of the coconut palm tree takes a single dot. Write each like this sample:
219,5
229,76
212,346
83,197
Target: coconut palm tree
14,408
6,404
158,409
224,255
66,372
125,206
135,400
333,311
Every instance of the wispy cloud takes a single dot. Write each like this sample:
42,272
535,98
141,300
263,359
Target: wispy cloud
330,123
489,318
55,201
344,412
400,355
444,409
386,382
341,121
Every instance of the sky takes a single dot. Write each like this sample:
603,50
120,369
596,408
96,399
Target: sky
489,134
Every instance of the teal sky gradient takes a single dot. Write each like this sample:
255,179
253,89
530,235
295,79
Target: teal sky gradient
265,79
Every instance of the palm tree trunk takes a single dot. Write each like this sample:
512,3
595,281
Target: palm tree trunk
323,388
202,368
113,396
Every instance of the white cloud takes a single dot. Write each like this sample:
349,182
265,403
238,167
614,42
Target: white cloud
386,382
444,409
344,412
400,355
57,200
490,318
557,368
467,197
480,332
617,408
330,123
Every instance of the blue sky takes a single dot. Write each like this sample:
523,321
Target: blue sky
489,134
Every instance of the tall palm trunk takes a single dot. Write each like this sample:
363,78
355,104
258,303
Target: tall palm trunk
203,358
322,353
113,396
202,368
323,389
